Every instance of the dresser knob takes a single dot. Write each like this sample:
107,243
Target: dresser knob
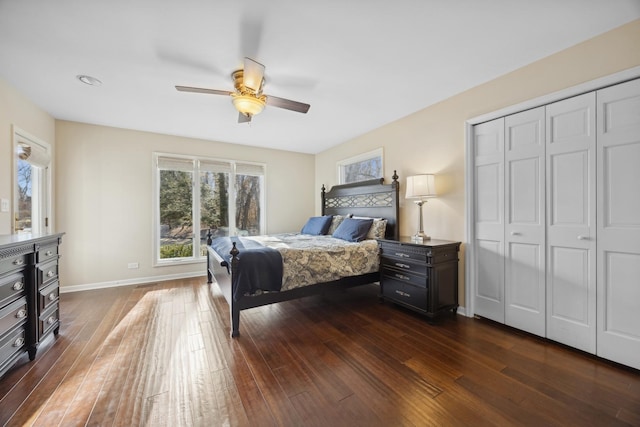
401,265
51,320
19,261
52,296
21,313
50,273
18,286
401,255
48,253
402,276
19,342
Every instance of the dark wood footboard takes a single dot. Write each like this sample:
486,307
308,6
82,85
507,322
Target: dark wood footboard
217,272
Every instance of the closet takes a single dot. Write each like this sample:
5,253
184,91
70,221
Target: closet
556,244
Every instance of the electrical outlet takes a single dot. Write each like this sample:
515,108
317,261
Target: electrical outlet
133,265
4,205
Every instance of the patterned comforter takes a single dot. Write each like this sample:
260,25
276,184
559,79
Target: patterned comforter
316,259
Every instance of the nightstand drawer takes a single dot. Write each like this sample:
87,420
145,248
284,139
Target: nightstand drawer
420,281
12,287
404,265
404,252
405,293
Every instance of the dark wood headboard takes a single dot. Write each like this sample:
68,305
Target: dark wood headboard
371,198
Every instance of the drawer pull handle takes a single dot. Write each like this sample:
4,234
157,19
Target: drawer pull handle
404,294
52,296
50,273
21,313
402,276
51,320
19,261
48,253
18,286
19,342
401,255
401,265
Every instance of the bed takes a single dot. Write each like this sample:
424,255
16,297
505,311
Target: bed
229,264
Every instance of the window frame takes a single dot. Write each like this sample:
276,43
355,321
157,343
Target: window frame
370,155
43,176
195,188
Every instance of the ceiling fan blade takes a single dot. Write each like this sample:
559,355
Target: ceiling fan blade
243,118
287,104
203,90
253,74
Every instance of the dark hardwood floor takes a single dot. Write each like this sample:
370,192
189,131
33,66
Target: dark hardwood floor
160,355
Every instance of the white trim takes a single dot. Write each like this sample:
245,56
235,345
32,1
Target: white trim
128,282
470,253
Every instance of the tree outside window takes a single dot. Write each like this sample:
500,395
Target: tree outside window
361,168
185,216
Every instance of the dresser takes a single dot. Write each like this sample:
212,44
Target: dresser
420,276
29,289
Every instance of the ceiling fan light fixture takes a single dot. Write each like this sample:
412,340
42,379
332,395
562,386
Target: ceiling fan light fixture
248,105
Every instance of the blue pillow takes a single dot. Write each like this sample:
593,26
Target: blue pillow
353,230
317,225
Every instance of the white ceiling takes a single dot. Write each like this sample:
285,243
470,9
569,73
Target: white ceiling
359,63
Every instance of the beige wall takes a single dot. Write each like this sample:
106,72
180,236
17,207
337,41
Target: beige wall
104,204
433,140
17,111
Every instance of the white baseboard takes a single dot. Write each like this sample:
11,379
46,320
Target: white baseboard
462,311
128,282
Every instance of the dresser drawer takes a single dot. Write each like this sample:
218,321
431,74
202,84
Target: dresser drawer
46,253
405,293
48,320
13,263
13,314
404,265
47,272
12,287
13,342
48,296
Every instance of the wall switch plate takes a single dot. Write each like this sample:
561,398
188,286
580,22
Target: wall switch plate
133,265
4,205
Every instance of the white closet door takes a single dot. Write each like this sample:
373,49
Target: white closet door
489,211
619,223
525,221
571,217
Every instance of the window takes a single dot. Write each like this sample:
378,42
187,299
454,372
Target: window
194,196
31,195
361,168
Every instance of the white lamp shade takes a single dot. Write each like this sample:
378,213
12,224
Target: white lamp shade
421,186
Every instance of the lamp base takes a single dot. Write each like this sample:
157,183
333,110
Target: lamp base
419,238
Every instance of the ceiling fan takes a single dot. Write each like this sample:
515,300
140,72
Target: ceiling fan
248,97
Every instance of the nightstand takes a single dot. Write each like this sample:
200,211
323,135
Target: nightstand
420,276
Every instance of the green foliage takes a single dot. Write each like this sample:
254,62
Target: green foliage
176,198
176,251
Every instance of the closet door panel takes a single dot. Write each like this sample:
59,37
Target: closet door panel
489,214
618,334
525,221
571,228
